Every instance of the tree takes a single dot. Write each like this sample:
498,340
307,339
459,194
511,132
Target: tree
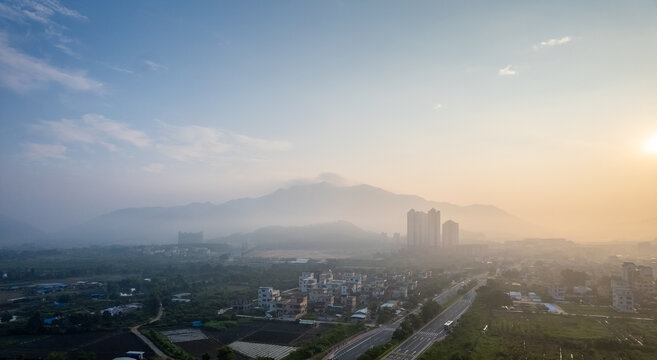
384,315
5,317
205,356
430,310
573,278
225,353
35,323
56,356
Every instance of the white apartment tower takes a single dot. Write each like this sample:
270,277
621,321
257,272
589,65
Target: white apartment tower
423,229
622,296
450,233
267,298
307,281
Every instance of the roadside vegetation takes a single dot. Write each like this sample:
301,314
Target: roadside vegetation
164,344
333,336
488,332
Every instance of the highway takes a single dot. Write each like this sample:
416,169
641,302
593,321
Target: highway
434,331
383,334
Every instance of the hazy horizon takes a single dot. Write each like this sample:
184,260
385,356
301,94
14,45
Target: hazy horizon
546,111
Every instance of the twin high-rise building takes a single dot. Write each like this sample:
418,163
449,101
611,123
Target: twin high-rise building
423,229
450,233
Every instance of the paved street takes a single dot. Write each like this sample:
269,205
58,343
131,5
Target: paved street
383,334
434,331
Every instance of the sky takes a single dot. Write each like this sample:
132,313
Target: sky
547,110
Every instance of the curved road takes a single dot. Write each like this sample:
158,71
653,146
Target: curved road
147,341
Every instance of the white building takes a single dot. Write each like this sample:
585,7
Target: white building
267,298
307,281
450,233
622,296
557,291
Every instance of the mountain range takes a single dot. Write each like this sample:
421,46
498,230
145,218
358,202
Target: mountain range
370,209
367,207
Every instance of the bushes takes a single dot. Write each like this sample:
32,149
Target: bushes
220,325
378,351
333,336
164,344
414,322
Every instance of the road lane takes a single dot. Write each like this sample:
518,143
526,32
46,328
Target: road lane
434,331
383,334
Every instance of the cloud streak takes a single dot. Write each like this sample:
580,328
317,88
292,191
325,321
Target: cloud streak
551,43
42,12
22,73
154,66
93,129
36,151
507,71
190,143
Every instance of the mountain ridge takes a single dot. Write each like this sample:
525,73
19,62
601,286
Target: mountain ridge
368,207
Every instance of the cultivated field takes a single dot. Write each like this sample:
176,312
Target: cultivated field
263,332
511,335
106,345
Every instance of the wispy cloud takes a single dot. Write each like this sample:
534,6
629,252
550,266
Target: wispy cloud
22,73
154,168
115,130
438,107
118,69
42,12
551,43
189,143
507,71
154,66
36,151
93,129
193,143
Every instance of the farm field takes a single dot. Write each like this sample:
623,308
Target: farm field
105,345
513,335
265,332
606,311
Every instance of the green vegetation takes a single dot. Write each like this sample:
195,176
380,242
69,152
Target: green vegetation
164,344
378,352
333,336
511,335
385,315
220,325
226,353
414,322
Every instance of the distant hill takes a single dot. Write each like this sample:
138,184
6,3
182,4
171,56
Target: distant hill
339,234
14,232
368,207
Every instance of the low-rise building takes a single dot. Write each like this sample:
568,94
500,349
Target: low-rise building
557,291
622,296
267,298
242,305
292,306
307,281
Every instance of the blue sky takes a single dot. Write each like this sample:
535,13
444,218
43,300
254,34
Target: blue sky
530,106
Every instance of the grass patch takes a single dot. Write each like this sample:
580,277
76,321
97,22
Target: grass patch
331,337
512,335
164,344
9,340
220,325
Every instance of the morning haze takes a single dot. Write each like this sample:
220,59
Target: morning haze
334,179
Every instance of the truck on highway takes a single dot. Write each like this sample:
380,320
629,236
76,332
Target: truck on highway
449,325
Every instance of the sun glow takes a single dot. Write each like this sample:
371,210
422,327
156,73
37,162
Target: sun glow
651,145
